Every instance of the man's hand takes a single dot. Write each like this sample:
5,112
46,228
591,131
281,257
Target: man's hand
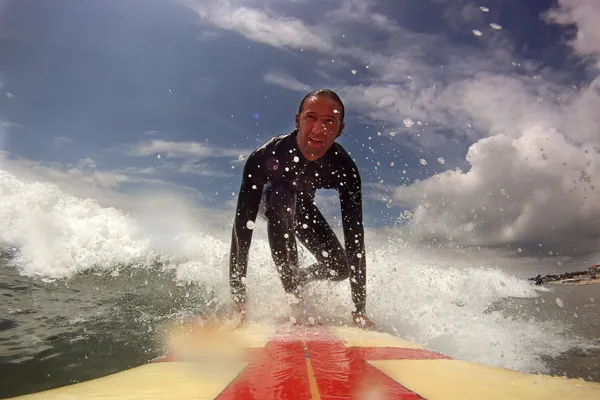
360,320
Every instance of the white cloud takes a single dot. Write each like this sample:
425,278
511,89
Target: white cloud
534,163
285,81
85,180
208,36
87,162
3,133
532,182
536,189
76,180
170,149
258,25
360,12
60,141
181,150
200,169
585,14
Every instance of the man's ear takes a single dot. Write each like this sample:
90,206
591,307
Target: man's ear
340,131
297,120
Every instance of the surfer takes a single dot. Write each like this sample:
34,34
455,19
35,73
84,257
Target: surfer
279,182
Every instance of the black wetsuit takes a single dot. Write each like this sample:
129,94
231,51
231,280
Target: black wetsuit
278,175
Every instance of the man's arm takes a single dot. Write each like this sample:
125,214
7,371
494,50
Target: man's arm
352,219
241,236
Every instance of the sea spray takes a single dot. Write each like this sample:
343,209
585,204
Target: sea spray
449,306
56,234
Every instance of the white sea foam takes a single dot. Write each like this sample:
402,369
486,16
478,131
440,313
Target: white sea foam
57,235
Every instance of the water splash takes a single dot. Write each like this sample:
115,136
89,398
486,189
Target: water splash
449,307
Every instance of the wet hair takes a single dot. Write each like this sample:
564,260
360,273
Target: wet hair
325,93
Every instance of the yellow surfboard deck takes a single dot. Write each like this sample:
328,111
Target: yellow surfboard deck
318,362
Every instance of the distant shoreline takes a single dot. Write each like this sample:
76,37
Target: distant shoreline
576,282
577,278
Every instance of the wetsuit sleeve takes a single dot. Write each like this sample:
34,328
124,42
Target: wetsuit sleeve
352,218
245,216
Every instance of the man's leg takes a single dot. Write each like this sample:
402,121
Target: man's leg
280,211
317,236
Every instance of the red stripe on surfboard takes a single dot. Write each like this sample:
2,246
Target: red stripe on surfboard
277,371
395,353
343,373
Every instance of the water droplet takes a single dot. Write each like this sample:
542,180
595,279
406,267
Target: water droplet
520,250
496,26
484,9
250,225
354,72
304,226
285,235
158,157
476,32
441,160
325,254
423,161
296,159
560,302
408,122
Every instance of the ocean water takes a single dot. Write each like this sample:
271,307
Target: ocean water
87,291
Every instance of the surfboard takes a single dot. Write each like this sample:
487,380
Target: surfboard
259,361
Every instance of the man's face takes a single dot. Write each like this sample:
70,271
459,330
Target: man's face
318,126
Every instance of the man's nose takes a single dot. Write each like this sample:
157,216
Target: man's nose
320,127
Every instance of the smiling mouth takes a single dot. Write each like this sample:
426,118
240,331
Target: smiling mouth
315,142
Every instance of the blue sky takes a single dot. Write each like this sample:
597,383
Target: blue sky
477,119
